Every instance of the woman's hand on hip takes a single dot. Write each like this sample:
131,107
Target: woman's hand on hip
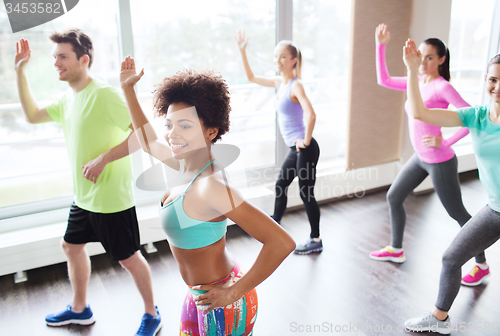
300,143
218,295
432,140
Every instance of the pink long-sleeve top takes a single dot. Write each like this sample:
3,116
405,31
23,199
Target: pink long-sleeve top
437,94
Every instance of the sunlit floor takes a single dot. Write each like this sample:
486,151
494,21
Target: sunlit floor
340,291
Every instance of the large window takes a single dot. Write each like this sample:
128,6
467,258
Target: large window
321,30
178,35
174,36
36,167
469,44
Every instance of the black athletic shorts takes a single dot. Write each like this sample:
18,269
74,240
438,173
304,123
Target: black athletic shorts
118,232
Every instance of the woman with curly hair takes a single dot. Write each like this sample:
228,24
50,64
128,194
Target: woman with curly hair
221,299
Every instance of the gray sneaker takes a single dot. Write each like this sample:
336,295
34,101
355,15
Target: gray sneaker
309,246
428,322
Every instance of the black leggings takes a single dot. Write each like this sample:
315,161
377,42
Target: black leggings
301,164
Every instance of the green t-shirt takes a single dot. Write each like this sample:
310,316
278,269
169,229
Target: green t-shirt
486,143
95,120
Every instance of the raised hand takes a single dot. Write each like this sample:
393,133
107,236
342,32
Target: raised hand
411,55
382,34
241,40
23,54
128,75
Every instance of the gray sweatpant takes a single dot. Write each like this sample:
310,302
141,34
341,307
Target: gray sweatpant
482,231
445,179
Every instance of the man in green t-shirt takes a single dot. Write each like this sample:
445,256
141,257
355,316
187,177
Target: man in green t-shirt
96,126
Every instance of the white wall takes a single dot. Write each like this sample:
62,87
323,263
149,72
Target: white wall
430,18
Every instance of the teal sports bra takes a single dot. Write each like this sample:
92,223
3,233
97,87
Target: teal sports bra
185,232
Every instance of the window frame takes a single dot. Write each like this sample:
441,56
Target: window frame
264,174
284,30
494,44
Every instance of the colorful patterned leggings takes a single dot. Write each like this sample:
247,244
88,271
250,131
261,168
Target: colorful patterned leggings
236,319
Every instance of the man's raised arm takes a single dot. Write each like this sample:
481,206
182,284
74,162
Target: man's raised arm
33,113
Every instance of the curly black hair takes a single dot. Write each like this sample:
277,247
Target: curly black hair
206,90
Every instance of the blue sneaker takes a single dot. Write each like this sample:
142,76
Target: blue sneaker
150,325
68,316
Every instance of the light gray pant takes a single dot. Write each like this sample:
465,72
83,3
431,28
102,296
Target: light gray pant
482,231
445,179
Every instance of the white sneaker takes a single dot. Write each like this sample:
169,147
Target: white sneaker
428,322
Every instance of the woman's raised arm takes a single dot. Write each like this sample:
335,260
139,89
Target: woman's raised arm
144,131
382,38
242,42
437,117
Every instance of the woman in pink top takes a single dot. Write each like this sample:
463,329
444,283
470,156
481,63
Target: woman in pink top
433,154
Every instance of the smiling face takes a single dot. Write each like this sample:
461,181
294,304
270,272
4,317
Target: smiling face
430,60
68,66
493,82
283,59
185,132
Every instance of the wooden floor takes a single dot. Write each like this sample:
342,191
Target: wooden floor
340,291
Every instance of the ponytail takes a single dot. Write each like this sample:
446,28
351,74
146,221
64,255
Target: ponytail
441,50
298,65
444,69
